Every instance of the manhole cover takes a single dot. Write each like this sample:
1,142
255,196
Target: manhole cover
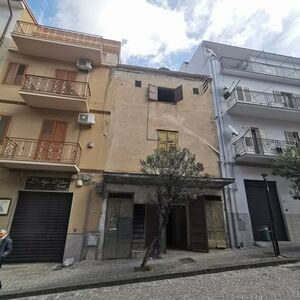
187,260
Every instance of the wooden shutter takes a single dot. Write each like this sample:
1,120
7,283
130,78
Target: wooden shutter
11,73
172,139
178,94
247,94
296,100
4,123
198,229
277,96
240,94
152,92
61,74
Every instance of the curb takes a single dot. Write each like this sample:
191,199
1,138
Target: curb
161,276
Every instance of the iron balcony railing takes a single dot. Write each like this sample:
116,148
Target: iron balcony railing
261,98
260,68
58,34
53,86
260,146
21,149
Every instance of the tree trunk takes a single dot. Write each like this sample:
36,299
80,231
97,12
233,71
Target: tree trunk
155,241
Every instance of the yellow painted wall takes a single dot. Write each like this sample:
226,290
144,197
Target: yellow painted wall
128,140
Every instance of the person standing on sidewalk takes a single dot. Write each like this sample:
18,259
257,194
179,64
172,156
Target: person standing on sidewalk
5,247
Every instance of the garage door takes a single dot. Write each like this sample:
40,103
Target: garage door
39,227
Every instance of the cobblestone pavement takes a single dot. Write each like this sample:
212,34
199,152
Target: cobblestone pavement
25,277
282,282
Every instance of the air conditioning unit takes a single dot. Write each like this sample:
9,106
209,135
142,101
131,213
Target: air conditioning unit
86,119
84,64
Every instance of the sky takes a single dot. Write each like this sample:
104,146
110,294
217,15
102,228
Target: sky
156,33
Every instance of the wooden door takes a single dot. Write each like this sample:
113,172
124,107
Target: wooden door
198,229
215,223
118,226
65,84
52,137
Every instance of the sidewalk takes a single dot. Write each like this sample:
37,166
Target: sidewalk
33,279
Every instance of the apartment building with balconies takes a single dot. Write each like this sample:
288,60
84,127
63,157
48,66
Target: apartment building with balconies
257,110
52,136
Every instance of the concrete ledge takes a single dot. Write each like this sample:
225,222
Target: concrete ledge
145,277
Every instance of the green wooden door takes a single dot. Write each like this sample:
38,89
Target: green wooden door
118,226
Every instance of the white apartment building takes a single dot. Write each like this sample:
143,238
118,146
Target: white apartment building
257,110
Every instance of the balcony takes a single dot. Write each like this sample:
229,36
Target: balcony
279,106
259,70
56,43
30,154
46,92
259,151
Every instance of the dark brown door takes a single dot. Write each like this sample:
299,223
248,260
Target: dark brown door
118,226
66,80
259,210
152,223
39,227
52,137
198,229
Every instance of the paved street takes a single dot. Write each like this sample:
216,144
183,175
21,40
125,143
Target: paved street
282,282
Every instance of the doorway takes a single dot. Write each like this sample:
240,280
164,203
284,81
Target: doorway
259,210
177,229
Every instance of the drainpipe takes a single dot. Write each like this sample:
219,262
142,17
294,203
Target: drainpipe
7,23
229,194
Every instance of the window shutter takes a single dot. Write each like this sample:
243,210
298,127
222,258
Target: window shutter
4,123
278,97
247,94
178,94
292,136
240,94
152,92
11,73
296,100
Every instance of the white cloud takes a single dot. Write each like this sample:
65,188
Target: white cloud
155,29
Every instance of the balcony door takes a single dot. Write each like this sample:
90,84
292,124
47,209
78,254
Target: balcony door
257,141
52,137
65,83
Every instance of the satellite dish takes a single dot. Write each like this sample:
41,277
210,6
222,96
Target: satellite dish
233,130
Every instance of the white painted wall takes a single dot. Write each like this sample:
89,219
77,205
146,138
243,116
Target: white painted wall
274,129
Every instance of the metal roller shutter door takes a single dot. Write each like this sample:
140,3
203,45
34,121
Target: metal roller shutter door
39,227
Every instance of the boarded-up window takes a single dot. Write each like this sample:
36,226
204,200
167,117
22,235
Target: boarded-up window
167,139
165,94
4,123
15,74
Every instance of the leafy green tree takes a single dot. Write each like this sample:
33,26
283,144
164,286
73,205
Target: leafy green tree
288,165
177,180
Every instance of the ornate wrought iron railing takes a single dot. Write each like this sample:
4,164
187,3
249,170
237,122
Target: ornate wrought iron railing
260,146
261,98
53,86
40,150
58,34
259,67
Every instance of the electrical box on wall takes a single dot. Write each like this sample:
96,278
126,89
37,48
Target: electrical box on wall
86,119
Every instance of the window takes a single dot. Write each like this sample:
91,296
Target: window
15,74
163,94
293,137
138,83
4,123
167,139
195,91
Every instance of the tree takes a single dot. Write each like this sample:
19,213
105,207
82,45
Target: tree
178,180
288,165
